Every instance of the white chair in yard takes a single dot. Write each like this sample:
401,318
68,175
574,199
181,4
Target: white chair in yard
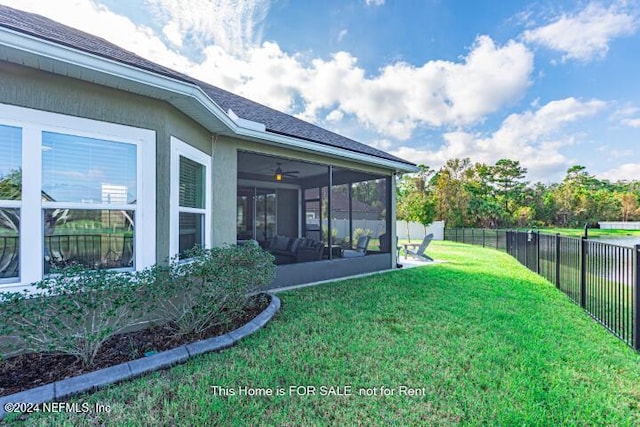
419,252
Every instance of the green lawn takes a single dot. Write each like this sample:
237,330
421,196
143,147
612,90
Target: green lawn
481,338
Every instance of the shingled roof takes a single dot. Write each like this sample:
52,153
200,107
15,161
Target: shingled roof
275,121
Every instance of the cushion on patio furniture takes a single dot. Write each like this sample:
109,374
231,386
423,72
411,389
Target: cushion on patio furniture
296,243
311,251
279,243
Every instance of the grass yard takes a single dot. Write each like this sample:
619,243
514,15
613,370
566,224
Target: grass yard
480,339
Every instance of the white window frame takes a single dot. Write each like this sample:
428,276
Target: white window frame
181,148
33,124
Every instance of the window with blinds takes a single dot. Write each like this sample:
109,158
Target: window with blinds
73,191
191,184
191,204
89,195
87,170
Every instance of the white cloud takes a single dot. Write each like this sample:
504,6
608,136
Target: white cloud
91,17
627,171
614,152
172,33
438,93
374,2
626,115
393,103
342,34
335,116
634,123
586,35
533,137
233,25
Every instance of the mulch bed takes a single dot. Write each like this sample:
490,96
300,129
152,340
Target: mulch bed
31,370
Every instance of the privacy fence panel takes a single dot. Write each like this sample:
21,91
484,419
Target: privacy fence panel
602,278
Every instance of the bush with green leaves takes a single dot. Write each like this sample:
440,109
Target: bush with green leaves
208,288
359,232
74,311
325,234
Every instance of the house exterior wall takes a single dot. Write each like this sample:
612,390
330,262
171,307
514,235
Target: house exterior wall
26,87
29,88
225,177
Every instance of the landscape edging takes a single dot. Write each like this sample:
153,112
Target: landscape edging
134,368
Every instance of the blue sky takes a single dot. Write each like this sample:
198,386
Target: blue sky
549,83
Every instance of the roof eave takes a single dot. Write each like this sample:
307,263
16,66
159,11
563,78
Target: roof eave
328,150
187,97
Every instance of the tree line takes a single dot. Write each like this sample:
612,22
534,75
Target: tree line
466,194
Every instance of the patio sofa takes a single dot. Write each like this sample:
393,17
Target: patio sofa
289,250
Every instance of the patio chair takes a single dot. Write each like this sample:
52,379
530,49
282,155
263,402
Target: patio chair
419,252
360,250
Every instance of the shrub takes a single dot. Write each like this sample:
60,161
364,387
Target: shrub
208,289
325,234
76,310
359,232
73,312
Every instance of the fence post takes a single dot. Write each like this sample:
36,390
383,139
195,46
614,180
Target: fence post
526,251
538,252
583,272
483,236
636,297
558,260
506,241
463,235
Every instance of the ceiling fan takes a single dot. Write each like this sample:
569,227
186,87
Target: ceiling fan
280,174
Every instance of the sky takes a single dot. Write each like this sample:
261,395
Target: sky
551,84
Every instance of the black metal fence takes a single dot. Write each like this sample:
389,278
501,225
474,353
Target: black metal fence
90,250
602,278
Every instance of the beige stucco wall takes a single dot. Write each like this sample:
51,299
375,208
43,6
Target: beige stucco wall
224,176
39,90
